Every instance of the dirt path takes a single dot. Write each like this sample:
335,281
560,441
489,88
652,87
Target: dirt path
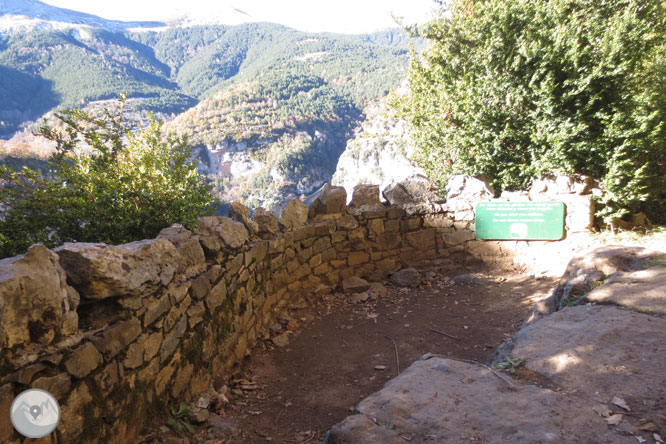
341,351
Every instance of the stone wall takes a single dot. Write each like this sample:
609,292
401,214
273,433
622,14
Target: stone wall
118,332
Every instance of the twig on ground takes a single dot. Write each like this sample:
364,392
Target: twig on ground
397,359
495,372
467,361
444,334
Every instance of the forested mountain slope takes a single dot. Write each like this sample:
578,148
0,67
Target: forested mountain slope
269,109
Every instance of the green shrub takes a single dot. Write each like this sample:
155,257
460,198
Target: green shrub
105,183
515,89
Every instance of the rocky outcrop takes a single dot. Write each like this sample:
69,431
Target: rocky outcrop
380,153
443,400
617,267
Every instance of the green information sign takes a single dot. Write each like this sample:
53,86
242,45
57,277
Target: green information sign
520,220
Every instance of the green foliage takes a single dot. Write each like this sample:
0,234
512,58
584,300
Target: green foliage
105,183
515,89
178,420
510,364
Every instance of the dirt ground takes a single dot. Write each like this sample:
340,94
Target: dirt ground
340,351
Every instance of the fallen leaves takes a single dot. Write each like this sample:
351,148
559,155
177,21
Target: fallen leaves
614,419
620,403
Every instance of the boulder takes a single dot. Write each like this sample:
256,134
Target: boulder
100,271
265,220
294,215
36,304
468,188
328,200
414,190
407,277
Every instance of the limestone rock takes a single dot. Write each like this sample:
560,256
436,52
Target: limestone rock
347,222
407,277
58,385
101,271
355,284
84,360
598,351
470,279
328,200
265,220
233,234
176,234
36,304
413,190
468,188
281,340
640,290
294,215
558,185
590,267
458,237
441,400
118,337
240,213
366,197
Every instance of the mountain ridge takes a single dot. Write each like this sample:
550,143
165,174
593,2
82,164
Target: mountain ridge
22,15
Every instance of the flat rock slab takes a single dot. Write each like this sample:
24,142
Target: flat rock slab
440,401
603,265
640,290
601,351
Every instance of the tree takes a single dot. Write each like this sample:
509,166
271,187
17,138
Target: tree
516,89
106,182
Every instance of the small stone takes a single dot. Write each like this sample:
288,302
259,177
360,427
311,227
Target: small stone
200,416
359,298
203,402
469,279
275,328
292,326
408,277
223,427
355,284
281,340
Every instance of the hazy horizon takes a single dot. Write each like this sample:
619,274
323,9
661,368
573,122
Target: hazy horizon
343,16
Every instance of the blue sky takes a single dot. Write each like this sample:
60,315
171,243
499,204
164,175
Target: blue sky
348,16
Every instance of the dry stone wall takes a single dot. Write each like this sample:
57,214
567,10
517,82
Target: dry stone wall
117,332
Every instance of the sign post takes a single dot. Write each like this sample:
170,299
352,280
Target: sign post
520,220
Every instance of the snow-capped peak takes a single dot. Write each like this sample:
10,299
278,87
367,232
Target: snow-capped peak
25,15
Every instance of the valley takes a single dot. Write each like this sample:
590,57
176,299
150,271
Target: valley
267,109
